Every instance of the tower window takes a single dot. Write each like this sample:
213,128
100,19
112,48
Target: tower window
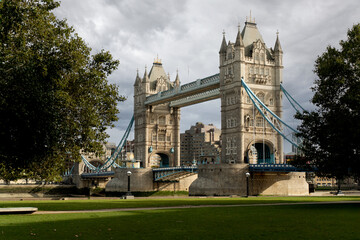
161,137
259,122
162,120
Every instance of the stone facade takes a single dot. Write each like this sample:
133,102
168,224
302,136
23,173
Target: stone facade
157,128
246,136
141,180
200,140
230,179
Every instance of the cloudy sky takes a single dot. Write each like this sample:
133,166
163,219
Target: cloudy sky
187,35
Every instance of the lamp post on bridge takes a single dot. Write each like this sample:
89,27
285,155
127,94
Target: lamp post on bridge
247,174
128,194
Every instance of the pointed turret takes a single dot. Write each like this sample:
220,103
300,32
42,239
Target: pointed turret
223,45
177,79
146,77
239,41
277,47
137,79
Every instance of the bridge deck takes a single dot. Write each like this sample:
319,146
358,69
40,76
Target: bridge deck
188,92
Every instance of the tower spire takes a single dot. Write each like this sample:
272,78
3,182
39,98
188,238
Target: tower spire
223,44
146,77
177,80
137,79
277,47
239,41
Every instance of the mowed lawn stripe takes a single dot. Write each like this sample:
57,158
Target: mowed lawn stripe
310,221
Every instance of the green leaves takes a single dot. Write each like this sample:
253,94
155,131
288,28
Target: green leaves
55,97
331,132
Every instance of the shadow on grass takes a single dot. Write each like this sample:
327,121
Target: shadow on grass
338,221
58,205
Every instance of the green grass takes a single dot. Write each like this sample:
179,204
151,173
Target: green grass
51,205
333,221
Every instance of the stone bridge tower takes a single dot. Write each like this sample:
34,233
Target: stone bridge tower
157,128
246,136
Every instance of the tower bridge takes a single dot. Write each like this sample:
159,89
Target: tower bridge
250,91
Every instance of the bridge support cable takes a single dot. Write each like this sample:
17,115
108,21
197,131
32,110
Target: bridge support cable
111,160
68,172
292,101
267,114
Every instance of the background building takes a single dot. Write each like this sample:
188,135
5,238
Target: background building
201,143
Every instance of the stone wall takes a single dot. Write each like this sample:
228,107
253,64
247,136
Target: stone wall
141,180
220,179
230,179
181,185
281,184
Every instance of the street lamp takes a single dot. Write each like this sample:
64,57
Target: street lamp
247,174
128,174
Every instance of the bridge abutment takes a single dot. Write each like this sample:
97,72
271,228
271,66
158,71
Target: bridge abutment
142,180
220,180
230,179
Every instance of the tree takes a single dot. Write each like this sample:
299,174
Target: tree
54,96
331,133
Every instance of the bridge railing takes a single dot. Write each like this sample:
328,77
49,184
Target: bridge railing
278,168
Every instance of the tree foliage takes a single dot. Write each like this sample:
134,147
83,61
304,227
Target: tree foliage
54,96
331,132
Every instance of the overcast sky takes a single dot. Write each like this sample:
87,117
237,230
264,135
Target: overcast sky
186,35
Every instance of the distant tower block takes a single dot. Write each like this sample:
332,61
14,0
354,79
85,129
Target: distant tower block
157,128
246,136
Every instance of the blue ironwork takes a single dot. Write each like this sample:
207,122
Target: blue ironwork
256,101
291,99
69,172
277,168
111,160
262,149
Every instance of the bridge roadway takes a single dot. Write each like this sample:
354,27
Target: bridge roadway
201,90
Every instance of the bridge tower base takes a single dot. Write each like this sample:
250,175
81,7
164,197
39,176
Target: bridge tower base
230,179
141,180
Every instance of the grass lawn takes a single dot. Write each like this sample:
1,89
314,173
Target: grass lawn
52,205
331,221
